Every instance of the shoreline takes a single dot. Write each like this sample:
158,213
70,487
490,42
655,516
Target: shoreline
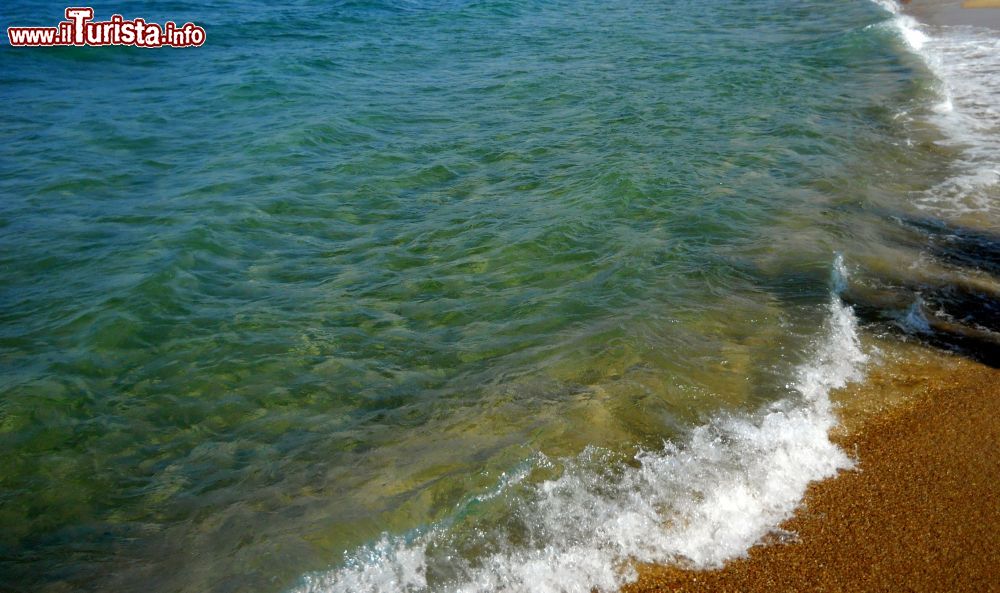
920,512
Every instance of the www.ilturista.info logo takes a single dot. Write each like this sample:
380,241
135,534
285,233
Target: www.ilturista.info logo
79,28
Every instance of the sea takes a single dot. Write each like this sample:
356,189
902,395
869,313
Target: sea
467,296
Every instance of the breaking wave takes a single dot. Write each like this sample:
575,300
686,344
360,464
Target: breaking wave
698,502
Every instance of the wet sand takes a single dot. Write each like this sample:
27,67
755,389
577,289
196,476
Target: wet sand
920,513
979,13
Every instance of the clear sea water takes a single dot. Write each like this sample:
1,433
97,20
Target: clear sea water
449,295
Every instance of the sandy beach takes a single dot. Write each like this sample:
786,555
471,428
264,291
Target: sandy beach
920,513
431,296
921,510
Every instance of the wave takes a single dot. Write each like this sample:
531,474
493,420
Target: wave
966,63
699,503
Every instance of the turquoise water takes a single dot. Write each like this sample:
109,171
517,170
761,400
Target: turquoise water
350,265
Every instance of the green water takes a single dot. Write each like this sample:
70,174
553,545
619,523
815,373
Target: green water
344,265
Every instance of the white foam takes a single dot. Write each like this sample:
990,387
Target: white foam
966,61
838,274
700,502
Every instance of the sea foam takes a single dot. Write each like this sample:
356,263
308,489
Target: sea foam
698,502
966,63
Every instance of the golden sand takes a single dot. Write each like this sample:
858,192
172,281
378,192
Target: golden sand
921,513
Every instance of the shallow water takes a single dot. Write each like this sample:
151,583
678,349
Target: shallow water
393,291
